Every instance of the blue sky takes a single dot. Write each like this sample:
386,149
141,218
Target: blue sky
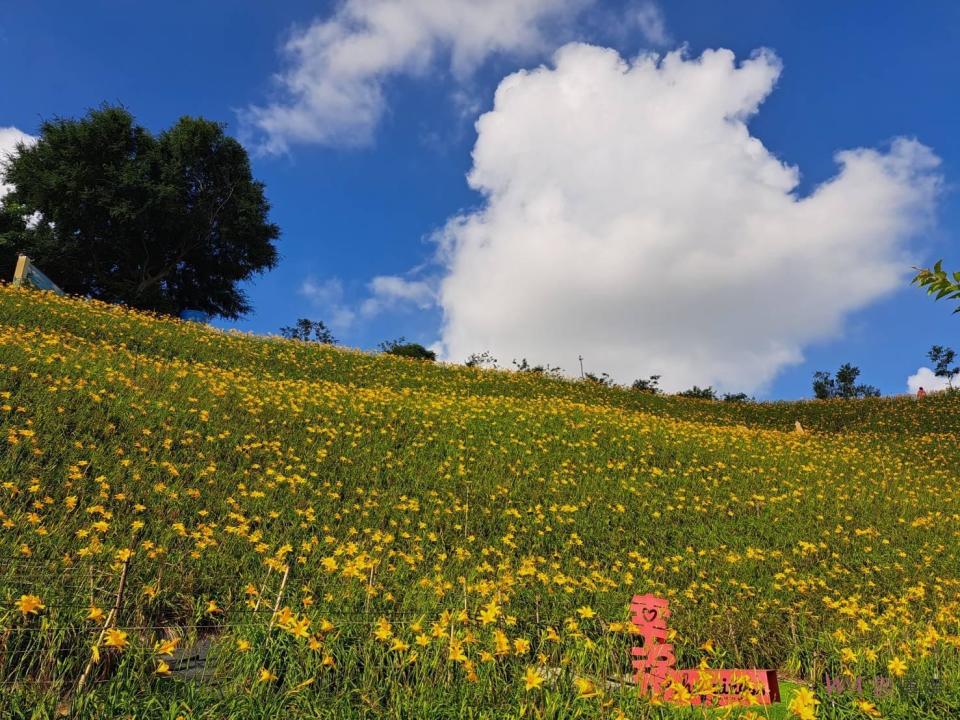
854,75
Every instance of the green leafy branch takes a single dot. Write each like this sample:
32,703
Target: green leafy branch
938,281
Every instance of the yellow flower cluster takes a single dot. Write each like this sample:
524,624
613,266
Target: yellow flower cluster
379,522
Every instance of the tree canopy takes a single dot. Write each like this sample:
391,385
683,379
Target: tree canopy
307,330
943,358
843,386
168,222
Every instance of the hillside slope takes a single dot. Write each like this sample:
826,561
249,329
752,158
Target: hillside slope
168,339
433,535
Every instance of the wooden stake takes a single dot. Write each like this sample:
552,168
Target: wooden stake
366,601
21,272
263,588
111,617
276,605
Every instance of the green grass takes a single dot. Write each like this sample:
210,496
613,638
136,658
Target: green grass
417,494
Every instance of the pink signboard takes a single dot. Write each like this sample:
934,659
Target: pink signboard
654,662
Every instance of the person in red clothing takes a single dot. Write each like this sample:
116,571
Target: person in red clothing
921,393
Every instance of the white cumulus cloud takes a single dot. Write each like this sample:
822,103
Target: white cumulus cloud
924,378
327,296
649,18
630,216
9,138
388,292
332,89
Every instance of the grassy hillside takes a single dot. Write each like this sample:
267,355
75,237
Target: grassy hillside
448,536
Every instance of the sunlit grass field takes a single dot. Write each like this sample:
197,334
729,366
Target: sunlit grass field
347,535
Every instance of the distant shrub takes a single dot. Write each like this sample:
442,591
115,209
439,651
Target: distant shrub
309,331
649,385
481,359
707,393
402,348
602,379
739,397
524,366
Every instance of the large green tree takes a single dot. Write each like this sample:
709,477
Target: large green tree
165,222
